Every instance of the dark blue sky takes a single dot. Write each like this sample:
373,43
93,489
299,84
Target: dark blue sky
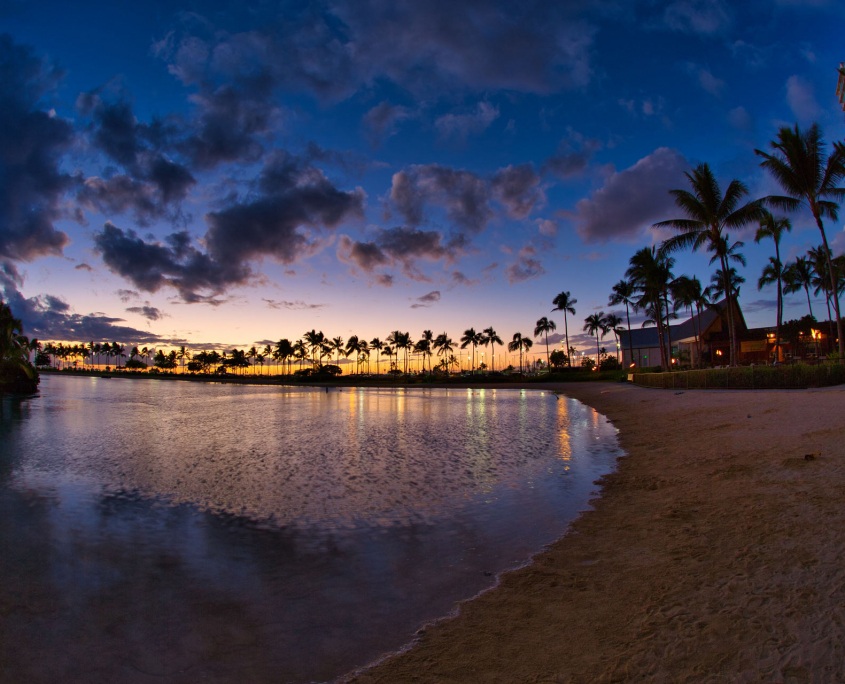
234,173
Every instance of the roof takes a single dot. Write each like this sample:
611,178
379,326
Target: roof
646,338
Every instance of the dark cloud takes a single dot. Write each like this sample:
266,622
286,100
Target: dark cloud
382,120
400,246
463,125
32,140
630,201
464,196
297,202
698,16
525,267
151,313
175,263
294,306
151,185
83,267
426,300
127,295
334,49
461,279
286,219
573,155
47,317
518,189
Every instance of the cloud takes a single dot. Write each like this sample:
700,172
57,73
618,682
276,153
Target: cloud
631,200
710,83
525,267
83,267
285,220
698,16
739,118
32,142
382,120
462,126
801,99
518,189
573,155
151,313
460,278
464,196
298,305
427,300
151,184
47,317
332,50
401,246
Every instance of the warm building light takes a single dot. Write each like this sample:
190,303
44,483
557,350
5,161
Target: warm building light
718,352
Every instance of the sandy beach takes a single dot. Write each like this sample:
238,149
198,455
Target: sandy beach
714,554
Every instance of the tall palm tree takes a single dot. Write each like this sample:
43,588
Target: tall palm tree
594,324
821,279
300,352
807,175
543,327
565,302
521,344
283,351
709,213
623,293
314,340
471,338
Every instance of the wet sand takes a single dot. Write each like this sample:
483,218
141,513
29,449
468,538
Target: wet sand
714,554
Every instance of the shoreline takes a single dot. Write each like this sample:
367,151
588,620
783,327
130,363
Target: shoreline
710,554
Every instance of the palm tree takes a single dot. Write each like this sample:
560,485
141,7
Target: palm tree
300,352
492,338
593,324
443,344
613,322
543,327
424,346
284,351
774,228
623,293
353,346
520,343
798,275
709,214
716,290
470,337
314,340
650,271
686,293
821,279
808,176
376,345
565,302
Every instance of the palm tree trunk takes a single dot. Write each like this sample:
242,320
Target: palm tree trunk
726,276
566,331
840,331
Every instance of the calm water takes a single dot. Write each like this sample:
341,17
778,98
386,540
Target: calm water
167,531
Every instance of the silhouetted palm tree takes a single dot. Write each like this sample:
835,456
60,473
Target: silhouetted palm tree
492,338
521,344
798,275
595,324
443,344
686,293
565,302
543,327
709,215
651,272
774,228
809,176
623,293
471,338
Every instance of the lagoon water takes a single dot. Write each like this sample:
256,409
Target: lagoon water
155,530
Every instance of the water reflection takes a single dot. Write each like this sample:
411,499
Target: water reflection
163,529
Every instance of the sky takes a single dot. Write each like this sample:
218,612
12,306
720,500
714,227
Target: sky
219,175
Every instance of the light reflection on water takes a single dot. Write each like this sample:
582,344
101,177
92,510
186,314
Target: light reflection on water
274,534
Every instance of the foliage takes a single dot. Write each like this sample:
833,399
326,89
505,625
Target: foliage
609,363
792,376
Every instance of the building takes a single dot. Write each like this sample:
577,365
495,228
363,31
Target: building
700,340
